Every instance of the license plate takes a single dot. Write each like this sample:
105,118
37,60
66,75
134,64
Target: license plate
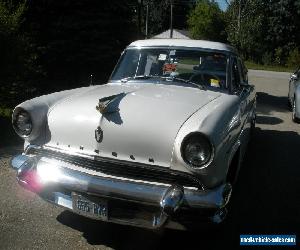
91,207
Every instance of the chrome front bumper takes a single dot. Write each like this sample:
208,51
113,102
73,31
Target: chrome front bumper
171,205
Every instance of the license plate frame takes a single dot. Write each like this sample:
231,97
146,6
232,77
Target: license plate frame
92,207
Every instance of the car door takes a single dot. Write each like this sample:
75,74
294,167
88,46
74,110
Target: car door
247,89
244,91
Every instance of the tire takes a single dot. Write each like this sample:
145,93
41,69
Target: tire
294,117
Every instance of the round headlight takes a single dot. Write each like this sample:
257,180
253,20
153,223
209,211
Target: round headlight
197,150
22,123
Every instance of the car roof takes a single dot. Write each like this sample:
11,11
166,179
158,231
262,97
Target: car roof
183,43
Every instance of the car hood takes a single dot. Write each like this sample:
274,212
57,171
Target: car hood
143,128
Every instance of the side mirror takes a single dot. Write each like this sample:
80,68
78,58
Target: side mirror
294,77
247,86
244,84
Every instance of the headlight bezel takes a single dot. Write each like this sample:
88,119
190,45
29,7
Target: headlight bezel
187,140
19,131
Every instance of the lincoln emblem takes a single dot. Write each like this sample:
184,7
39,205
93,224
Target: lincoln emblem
99,134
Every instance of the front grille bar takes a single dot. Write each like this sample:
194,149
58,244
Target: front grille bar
136,171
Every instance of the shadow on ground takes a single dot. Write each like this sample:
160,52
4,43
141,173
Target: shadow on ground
270,120
111,235
268,103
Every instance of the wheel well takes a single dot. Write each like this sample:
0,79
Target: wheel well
233,168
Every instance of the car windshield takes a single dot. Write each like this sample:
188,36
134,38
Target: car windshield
186,65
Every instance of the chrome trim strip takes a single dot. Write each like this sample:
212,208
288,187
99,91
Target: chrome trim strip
169,47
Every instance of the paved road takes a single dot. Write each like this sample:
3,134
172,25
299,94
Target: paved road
266,199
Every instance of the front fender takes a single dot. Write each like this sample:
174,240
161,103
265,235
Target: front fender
220,122
38,109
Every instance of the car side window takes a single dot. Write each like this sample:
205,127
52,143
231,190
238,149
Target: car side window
235,75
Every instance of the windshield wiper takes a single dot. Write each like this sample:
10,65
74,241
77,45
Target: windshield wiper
139,77
167,78
174,78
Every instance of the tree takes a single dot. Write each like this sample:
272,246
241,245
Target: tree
283,34
206,21
15,59
159,15
246,27
77,38
11,41
264,31
53,45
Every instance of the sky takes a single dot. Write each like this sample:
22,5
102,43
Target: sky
222,4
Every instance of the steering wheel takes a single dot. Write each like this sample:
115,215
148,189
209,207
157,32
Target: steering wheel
203,78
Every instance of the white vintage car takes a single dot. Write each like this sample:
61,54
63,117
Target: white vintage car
159,145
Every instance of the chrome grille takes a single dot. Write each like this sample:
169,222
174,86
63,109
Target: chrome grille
136,171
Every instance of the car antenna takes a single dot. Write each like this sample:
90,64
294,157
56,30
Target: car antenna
91,82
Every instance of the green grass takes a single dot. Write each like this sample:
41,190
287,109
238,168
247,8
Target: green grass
188,61
5,112
182,71
252,65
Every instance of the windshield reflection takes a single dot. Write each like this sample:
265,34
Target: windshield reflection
189,66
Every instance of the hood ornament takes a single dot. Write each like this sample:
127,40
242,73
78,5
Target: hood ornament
109,104
98,134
